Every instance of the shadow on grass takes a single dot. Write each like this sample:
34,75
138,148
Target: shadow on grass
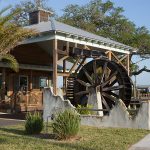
49,136
22,132
14,131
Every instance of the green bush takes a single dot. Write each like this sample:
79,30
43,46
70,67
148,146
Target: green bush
66,124
34,123
83,110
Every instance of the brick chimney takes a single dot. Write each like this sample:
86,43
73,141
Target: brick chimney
39,15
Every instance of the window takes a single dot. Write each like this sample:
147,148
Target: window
43,82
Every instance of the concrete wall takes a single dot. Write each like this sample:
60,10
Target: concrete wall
118,116
53,104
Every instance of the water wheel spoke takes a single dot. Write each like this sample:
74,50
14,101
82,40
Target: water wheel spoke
113,81
94,71
114,88
114,94
104,72
81,93
110,97
83,83
88,76
105,103
109,79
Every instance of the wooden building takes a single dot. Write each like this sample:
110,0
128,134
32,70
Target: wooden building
39,57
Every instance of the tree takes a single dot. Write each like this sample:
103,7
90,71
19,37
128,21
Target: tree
104,19
10,36
101,18
22,18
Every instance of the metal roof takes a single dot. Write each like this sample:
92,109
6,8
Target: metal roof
54,25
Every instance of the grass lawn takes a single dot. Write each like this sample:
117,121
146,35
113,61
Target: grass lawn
90,138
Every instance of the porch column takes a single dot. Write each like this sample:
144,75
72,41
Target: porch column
3,83
55,58
128,64
31,85
64,69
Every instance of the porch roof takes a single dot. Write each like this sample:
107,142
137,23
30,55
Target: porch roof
54,26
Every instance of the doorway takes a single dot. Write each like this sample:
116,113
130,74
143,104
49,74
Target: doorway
23,83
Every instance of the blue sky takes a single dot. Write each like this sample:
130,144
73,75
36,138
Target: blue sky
137,11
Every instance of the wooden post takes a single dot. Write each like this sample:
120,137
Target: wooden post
67,47
128,64
74,65
64,69
64,78
31,85
10,84
76,45
109,55
3,83
55,58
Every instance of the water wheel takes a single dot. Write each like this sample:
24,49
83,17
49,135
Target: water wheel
110,78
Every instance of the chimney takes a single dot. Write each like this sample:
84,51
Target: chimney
38,16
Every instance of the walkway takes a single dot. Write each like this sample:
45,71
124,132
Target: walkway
9,122
144,144
9,119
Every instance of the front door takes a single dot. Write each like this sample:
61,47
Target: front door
23,83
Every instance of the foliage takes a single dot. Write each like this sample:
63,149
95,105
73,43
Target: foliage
34,123
10,36
83,110
134,67
104,19
22,18
66,124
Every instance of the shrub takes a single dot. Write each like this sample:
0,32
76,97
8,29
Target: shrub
83,110
66,124
34,123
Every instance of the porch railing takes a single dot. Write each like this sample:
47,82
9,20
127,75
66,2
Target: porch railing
143,96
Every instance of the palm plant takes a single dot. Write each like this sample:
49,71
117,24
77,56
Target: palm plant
10,36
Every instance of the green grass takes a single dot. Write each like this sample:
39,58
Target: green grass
13,138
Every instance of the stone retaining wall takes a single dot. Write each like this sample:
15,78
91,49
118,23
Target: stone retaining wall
118,116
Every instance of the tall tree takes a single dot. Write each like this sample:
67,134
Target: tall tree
10,36
104,19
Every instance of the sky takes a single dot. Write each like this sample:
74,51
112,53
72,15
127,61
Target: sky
137,11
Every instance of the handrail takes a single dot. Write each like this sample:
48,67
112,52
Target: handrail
92,109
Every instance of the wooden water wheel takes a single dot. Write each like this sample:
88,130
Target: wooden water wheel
110,78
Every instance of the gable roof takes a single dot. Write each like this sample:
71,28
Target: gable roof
54,25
